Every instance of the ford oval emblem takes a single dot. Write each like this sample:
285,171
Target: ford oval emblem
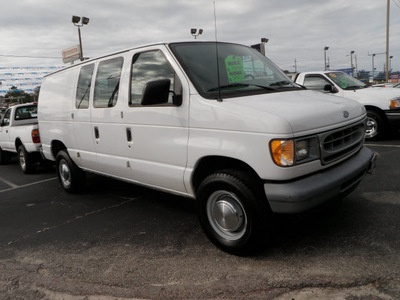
346,114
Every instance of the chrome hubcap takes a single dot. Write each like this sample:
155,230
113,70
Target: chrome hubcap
65,174
372,128
226,215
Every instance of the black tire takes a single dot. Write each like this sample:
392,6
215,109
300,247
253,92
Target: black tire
232,212
70,176
4,157
25,160
376,126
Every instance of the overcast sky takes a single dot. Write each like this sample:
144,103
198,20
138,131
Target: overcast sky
31,29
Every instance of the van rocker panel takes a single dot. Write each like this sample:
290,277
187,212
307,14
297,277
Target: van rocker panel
300,195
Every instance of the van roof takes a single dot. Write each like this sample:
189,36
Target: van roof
130,49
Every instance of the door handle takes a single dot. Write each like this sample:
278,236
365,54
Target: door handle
129,135
96,132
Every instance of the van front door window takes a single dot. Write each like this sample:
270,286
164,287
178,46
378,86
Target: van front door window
146,67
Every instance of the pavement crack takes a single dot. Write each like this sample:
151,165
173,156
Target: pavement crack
128,200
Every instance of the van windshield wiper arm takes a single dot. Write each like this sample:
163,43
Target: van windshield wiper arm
354,87
234,85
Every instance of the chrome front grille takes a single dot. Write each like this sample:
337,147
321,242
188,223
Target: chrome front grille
341,142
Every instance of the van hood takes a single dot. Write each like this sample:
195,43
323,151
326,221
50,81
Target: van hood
294,112
372,95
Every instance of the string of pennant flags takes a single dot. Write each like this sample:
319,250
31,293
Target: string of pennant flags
26,78
29,68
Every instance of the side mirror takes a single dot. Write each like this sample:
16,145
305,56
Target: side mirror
156,92
330,88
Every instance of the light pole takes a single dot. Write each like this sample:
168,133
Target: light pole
325,49
373,67
79,22
351,61
196,32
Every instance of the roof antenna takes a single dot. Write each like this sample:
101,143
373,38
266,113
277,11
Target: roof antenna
219,99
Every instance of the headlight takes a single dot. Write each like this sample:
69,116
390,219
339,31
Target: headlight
286,153
394,103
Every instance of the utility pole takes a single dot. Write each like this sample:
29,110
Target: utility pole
295,66
387,40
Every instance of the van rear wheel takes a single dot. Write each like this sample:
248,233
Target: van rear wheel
70,176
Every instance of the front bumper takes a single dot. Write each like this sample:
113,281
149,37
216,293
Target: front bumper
308,192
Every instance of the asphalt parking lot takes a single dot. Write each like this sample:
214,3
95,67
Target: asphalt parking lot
118,241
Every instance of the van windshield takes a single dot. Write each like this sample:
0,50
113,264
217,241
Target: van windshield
242,70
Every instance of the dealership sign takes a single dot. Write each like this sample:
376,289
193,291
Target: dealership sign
71,54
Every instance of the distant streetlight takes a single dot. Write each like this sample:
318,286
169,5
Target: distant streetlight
373,67
351,62
196,32
390,64
79,22
325,49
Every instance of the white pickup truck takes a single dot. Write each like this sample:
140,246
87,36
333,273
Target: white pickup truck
382,105
19,134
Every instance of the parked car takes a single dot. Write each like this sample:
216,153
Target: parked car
383,105
19,134
241,138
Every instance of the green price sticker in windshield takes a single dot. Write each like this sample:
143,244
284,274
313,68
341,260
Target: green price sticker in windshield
234,68
343,82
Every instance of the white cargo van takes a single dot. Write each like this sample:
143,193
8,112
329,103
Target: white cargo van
234,133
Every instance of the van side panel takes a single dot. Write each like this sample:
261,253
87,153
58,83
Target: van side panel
55,108
143,144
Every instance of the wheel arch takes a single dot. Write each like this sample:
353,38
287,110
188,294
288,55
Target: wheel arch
57,146
18,143
378,111
211,164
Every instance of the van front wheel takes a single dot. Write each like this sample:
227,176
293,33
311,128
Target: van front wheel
70,176
229,213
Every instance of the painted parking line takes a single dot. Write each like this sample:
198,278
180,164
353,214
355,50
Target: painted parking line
377,145
14,186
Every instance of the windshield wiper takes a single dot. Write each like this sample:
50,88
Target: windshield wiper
280,83
234,85
354,87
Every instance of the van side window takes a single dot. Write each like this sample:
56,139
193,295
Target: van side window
151,66
107,83
83,88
